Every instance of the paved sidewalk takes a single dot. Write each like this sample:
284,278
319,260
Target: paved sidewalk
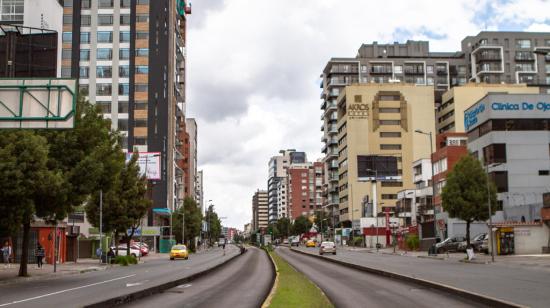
518,279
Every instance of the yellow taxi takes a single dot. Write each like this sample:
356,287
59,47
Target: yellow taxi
310,243
179,252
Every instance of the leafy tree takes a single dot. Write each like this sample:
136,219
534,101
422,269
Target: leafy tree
326,221
28,188
465,193
193,222
301,225
273,230
283,226
214,224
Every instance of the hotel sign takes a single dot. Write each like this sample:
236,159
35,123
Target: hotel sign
358,111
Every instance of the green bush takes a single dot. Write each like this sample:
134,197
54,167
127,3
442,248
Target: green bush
132,260
357,241
125,260
412,241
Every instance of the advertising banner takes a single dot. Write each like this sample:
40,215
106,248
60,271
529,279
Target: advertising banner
149,164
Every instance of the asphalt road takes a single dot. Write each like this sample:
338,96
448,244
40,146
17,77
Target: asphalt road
243,282
89,288
524,285
347,287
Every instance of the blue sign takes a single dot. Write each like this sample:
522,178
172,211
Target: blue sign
470,117
541,106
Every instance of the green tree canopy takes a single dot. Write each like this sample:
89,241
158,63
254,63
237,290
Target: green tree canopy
214,224
193,222
466,191
284,226
301,225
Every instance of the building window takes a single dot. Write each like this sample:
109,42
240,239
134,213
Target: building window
124,71
104,106
389,196
104,89
430,81
65,72
398,69
523,43
494,153
142,18
389,122
125,3
143,2
66,53
104,54
390,134
104,72
105,4
124,20
140,140
389,110
85,20
86,4
83,89
123,124
104,37
67,19
544,172
122,107
429,69
67,37
84,54
142,52
68,3
124,54
141,87
105,20
142,69
140,123
140,105
390,147
124,36
391,184
142,35
84,72
84,37
123,89
500,178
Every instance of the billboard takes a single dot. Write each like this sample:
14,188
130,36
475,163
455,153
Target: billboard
380,167
149,164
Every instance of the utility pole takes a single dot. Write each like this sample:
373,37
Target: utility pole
54,248
101,225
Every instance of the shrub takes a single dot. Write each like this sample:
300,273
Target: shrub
125,260
357,241
412,241
132,260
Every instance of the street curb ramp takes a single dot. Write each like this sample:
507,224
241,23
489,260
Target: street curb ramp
130,297
483,299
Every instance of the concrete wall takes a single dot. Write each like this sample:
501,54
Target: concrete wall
530,239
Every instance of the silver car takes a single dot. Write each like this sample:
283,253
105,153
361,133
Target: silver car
327,247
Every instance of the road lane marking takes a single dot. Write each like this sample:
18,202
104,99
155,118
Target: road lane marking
183,286
66,290
133,284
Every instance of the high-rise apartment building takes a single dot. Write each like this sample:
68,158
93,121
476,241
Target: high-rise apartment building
305,184
376,139
199,190
259,210
191,128
130,58
276,183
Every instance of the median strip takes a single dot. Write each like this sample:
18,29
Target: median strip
483,299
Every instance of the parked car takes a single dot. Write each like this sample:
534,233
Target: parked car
144,250
310,243
475,242
295,242
122,250
285,241
449,245
327,247
179,252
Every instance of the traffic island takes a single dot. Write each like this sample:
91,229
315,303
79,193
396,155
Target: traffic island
294,289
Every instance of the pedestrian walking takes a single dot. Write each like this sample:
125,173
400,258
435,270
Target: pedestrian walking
223,246
39,253
7,252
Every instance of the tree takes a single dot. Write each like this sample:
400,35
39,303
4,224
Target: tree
465,193
273,230
214,224
193,222
283,226
28,187
301,225
322,221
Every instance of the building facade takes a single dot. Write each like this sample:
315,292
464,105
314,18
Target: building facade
259,210
191,128
510,134
199,192
305,184
377,140
129,56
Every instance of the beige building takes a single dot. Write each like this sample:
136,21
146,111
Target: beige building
259,210
450,114
376,131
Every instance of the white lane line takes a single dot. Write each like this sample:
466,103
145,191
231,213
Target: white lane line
67,290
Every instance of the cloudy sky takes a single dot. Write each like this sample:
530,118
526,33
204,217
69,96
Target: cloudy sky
254,66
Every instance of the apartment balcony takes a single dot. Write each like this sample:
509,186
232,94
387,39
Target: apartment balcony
332,154
488,57
441,71
333,177
524,56
414,70
332,129
381,70
333,165
335,69
332,141
323,105
342,81
324,149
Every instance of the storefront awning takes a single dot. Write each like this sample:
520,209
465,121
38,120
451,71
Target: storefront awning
162,211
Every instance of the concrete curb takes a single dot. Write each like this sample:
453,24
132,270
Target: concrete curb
484,299
60,274
126,298
275,284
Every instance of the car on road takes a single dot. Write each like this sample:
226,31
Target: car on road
122,251
285,241
221,241
449,245
295,241
310,243
475,242
327,247
144,250
179,252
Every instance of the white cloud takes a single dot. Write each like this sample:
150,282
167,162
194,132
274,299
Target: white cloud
254,66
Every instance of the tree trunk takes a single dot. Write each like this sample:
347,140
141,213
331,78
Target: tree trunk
25,249
115,237
467,233
129,240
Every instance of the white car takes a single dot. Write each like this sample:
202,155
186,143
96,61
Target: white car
122,251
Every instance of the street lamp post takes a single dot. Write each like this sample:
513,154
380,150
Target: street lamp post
434,252
375,204
146,187
490,210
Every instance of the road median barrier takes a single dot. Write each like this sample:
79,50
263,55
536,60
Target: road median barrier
483,299
275,284
140,294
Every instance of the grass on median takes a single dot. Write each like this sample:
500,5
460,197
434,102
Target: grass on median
295,289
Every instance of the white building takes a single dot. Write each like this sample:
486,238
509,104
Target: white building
510,134
199,192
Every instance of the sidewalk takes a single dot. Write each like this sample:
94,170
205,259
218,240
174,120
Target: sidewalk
9,275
